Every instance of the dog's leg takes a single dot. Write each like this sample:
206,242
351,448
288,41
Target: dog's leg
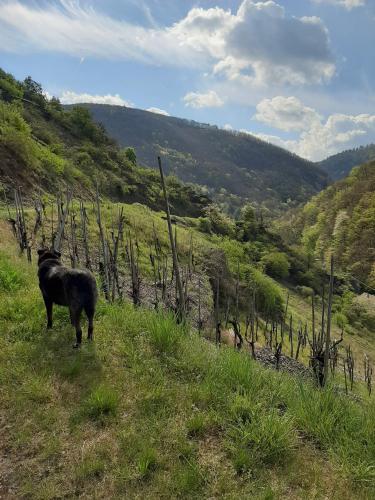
71,316
77,324
90,316
49,307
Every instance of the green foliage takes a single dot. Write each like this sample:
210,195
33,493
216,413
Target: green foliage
269,297
276,264
131,155
147,462
165,335
47,147
340,165
9,87
341,220
266,439
197,425
11,278
247,225
101,404
217,222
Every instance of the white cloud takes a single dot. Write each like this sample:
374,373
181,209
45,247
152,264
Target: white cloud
69,97
158,111
199,100
286,113
68,27
319,138
265,45
258,44
228,127
348,4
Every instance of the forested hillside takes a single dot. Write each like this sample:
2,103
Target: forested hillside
235,167
44,149
340,219
340,165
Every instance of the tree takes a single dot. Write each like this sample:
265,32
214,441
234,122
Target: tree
131,155
219,222
247,226
33,91
276,264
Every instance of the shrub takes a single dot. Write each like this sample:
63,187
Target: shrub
218,222
269,298
131,155
276,264
305,291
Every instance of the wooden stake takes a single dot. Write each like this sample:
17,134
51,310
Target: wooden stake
181,297
328,328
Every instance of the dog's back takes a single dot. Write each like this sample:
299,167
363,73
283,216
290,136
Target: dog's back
66,286
74,288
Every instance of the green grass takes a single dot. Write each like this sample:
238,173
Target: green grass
150,410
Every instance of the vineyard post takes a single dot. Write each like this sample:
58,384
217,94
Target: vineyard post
328,327
181,297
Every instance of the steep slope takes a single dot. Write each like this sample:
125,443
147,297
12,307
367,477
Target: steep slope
152,410
45,149
235,167
340,165
340,219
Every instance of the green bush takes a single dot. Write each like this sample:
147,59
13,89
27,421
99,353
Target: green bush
269,297
218,222
276,264
305,291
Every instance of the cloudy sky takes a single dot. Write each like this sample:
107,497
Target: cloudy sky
298,73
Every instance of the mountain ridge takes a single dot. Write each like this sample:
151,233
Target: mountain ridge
339,165
234,167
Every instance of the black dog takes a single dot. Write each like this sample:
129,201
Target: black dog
73,288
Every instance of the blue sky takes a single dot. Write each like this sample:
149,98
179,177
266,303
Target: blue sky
298,73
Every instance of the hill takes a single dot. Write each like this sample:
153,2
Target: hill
234,167
44,149
341,219
340,165
153,410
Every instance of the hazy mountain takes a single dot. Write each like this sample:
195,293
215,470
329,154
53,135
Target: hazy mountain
340,165
233,166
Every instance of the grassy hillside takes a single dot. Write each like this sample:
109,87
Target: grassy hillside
339,166
44,149
235,167
340,219
151,410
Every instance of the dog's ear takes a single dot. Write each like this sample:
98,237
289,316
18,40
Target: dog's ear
41,251
58,254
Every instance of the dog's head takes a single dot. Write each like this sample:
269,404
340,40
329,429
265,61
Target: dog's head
47,254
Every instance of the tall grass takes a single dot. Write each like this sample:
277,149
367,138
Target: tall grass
177,416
